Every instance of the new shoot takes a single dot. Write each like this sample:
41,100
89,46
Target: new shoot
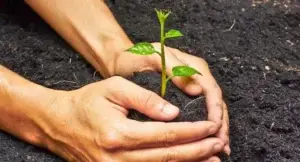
145,48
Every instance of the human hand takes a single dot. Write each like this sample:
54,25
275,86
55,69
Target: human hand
90,124
95,34
195,85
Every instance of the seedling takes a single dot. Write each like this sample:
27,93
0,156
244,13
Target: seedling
145,48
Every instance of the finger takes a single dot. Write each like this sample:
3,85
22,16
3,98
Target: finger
195,151
223,133
123,64
187,84
212,159
210,88
214,104
159,134
131,96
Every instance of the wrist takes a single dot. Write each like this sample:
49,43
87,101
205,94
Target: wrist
114,50
20,106
88,26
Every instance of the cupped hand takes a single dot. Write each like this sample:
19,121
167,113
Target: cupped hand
91,125
126,63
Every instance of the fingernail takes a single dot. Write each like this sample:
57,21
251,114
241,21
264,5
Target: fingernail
170,110
218,147
227,150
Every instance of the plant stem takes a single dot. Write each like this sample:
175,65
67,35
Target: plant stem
169,78
163,59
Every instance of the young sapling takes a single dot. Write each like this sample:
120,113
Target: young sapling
145,48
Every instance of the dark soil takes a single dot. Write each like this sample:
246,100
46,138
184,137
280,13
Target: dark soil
253,52
192,108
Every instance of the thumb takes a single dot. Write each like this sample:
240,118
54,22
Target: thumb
131,96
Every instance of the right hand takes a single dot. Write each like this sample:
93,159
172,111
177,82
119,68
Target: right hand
90,125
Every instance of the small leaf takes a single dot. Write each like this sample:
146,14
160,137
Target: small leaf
143,48
184,71
173,34
162,15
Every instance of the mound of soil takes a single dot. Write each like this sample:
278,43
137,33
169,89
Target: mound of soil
252,48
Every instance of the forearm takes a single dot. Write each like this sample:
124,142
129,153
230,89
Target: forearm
88,26
20,105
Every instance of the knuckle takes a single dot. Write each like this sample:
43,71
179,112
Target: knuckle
168,138
170,155
110,141
148,98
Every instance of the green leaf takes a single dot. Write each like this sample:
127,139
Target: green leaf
143,48
184,71
173,34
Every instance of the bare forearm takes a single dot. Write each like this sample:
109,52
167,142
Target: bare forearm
89,26
20,103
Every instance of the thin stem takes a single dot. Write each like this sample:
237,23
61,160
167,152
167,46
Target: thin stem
163,59
158,53
170,77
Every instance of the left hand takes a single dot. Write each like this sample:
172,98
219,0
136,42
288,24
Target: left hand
126,63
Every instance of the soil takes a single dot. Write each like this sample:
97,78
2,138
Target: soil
192,108
252,48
